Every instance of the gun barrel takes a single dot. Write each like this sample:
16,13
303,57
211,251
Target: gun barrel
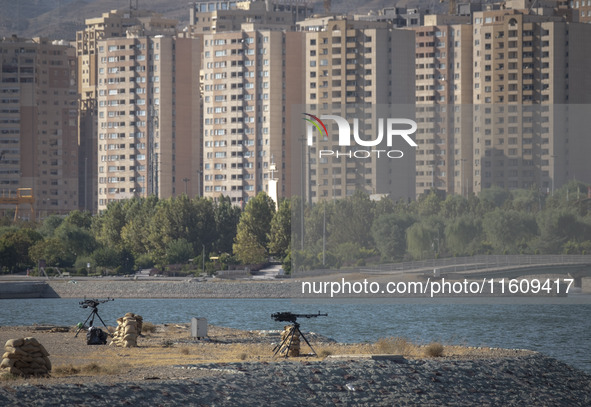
311,315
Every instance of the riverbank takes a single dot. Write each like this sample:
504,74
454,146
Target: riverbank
236,367
358,284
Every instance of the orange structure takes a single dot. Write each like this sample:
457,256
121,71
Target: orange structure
23,196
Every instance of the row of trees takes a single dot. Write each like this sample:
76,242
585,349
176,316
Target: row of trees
142,233
358,230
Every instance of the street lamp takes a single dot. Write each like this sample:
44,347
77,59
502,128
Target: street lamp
553,172
463,180
185,180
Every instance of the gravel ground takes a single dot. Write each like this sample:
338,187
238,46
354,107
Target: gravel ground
185,288
525,381
161,374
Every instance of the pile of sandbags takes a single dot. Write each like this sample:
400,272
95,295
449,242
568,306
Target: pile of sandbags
128,329
292,343
25,357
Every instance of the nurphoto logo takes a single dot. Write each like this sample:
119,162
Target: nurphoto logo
391,129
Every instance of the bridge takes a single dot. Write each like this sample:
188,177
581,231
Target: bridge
490,266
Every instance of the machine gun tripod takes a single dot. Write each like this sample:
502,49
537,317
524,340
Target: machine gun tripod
286,344
94,305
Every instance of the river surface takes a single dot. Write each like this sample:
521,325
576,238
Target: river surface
562,331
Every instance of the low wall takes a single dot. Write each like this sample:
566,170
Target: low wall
26,289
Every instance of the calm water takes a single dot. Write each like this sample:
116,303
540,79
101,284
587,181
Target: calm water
561,331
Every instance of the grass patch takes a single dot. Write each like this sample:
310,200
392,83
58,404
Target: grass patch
148,327
395,346
167,343
8,377
185,351
65,370
242,356
324,353
92,369
434,350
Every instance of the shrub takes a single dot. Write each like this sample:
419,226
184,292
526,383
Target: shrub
434,349
148,327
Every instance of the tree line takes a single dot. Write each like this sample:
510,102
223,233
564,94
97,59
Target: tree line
150,232
358,230
142,233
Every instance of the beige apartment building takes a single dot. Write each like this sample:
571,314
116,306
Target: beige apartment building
38,123
539,62
113,24
360,70
149,129
497,85
250,79
208,17
443,76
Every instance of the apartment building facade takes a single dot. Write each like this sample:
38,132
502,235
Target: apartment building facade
497,85
113,24
250,78
539,63
357,70
444,79
149,130
208,17
38,125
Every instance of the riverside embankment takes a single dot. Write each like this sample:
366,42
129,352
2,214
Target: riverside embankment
522,381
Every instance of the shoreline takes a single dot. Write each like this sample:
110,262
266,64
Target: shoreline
168,368
219,288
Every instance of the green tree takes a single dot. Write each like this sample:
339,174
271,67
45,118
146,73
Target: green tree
389,234
424,238
179,251
79,240
135,233
226,218
107,226
509,231
81,219
253,228
463,235
248,249
351,221
495,196
50,224
429,204
280,234
14,248
559,227
54,251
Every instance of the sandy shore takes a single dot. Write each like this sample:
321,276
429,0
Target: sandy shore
236,368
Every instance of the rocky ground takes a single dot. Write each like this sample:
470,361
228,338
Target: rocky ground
234,367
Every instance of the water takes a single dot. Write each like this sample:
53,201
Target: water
559,330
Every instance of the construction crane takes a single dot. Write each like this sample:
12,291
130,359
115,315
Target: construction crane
23,196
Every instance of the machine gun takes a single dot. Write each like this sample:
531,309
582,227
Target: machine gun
289,317
94,305
286,343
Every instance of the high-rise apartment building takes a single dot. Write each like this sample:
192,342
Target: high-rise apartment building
357,70
539,62
488,97
582,8
443,52
208,17
250,79
149,130
38,126
113,24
